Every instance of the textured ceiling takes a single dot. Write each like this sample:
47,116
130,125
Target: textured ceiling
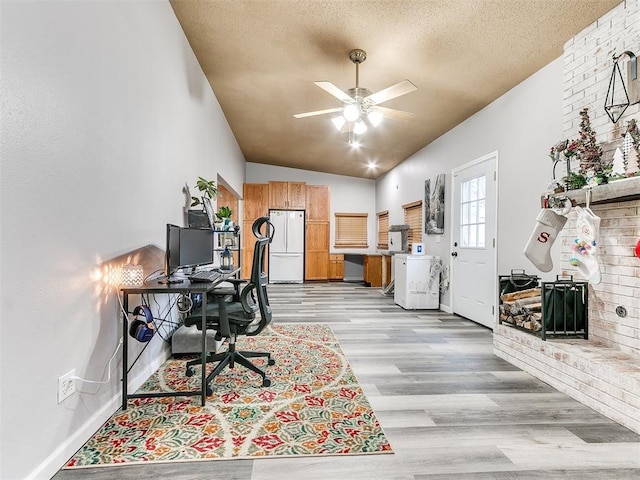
261,58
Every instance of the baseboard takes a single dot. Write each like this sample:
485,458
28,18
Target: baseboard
446,308
50,466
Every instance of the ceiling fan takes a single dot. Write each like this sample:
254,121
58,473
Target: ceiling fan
361,108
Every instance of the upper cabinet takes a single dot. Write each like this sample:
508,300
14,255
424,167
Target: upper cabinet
287,195
256,201
318,203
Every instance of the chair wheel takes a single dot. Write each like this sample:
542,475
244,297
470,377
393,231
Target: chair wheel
266,382
271,361
189,372
209,390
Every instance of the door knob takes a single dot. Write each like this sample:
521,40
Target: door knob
454,254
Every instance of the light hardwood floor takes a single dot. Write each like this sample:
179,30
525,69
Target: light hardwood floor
450,408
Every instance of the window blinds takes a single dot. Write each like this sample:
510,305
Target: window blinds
351,230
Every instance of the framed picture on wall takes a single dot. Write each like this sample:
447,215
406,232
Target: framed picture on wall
434,206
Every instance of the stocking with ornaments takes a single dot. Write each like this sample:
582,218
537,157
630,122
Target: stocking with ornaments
585,253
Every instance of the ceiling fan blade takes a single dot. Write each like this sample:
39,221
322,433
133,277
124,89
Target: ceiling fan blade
331,89
317,112
393,91
394,114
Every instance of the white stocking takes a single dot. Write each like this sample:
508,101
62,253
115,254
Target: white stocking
585,258
538,248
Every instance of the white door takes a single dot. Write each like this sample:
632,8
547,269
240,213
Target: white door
473,249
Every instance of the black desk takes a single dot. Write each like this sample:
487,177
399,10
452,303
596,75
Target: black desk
156,287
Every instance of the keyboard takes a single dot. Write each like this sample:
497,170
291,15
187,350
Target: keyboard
204,276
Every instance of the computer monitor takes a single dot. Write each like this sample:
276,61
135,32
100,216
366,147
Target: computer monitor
187,248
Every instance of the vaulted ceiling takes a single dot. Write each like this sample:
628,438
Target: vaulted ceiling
262,57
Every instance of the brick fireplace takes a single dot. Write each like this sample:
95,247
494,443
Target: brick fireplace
602,372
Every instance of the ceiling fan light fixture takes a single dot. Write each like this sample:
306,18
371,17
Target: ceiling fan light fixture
359,108
375,117
338,122
359,128
351,112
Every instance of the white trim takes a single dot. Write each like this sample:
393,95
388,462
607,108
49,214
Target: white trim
50,466
454,172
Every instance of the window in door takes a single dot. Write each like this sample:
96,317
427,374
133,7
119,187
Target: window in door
413,218
472,213
351,230
383,230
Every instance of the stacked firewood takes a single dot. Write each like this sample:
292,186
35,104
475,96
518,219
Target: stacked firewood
523,308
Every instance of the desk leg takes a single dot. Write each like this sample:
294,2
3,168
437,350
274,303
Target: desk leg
203,380
125,348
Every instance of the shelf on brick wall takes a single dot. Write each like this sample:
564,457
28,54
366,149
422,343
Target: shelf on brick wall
617,191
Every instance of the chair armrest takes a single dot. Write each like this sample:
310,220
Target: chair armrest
224,291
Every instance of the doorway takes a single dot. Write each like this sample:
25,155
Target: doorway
473,243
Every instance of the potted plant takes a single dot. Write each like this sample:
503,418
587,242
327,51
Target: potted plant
202,218
224,215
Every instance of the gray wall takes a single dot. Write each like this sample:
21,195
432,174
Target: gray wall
521,125
105,116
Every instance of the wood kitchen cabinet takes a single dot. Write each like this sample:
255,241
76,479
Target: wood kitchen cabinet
287,195
313,199
372,270
336,267
317,203
316,252
256,200
316,263
255,205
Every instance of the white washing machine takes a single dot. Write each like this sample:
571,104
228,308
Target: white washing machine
417,281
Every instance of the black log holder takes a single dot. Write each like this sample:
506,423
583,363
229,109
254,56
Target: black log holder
565,308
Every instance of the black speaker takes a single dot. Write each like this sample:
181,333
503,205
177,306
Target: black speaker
142,330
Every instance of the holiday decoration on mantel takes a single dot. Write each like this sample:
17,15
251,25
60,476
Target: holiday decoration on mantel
627,145
626,158
618,169
591,169
634,132
589,152
633,163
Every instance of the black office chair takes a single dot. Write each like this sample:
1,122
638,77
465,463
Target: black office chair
239,317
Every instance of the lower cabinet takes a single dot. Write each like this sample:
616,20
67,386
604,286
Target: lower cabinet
336,267
372,270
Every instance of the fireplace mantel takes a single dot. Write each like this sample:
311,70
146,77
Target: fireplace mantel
623,190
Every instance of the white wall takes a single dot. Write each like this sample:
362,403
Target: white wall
521,125
105,116
348,195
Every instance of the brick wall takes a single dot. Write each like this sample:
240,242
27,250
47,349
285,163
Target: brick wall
603,372
588,63
620,268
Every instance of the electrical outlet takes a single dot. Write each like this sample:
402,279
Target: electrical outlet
66,385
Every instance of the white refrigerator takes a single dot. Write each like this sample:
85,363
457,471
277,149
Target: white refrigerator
417,281
286,251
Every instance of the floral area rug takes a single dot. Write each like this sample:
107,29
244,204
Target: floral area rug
314,406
